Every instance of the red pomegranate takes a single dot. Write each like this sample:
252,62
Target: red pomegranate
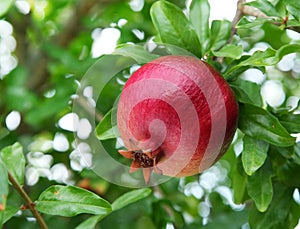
177,117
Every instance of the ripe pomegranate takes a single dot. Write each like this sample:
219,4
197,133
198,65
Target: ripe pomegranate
177,116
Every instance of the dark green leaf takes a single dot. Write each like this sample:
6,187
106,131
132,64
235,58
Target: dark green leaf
199,17
130,197
254,154
291,122
230,50
14,160
3,132
260,187
136,52
90,223
220,33
227,220
261,124
247,92
107,128
70,201
4,6
276,215
239,183
173,27
265,6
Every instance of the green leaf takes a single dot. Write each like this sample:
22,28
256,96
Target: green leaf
90,223
199,17
261,124
4,6
260,187
230,50
293,7
268,57
173,27
277,213
3,190
239,183
248,23
70,201
265,6
10,211
254,154
136,52
107,128
3,133
293,22
291,122
220,33
130,197
14,160
247,92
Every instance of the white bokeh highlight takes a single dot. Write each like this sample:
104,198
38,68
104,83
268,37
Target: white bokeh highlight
60,142
272,93
13,120
253,75
105,41
84,129
69,122
136,5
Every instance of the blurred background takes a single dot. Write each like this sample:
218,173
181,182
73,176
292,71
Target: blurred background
47,46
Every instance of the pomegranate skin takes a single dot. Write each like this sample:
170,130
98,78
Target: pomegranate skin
181,110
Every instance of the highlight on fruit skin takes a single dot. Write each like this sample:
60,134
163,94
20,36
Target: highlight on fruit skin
177,117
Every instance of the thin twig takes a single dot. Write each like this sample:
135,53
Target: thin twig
28,201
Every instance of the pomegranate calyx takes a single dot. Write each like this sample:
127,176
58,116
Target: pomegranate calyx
144,159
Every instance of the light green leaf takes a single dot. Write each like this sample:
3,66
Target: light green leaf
70,201
3,190
107,128
248,23
247,92
4,6
14,160
91,222
10,211
260,187
293,23
173,27
268,57
254,154
261,124
220,33
199,17
293,7
130,197
265,6
136,52
230,50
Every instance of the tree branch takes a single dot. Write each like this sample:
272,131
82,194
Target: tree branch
28,201
237,17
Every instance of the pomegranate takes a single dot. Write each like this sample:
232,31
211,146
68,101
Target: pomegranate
177,117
